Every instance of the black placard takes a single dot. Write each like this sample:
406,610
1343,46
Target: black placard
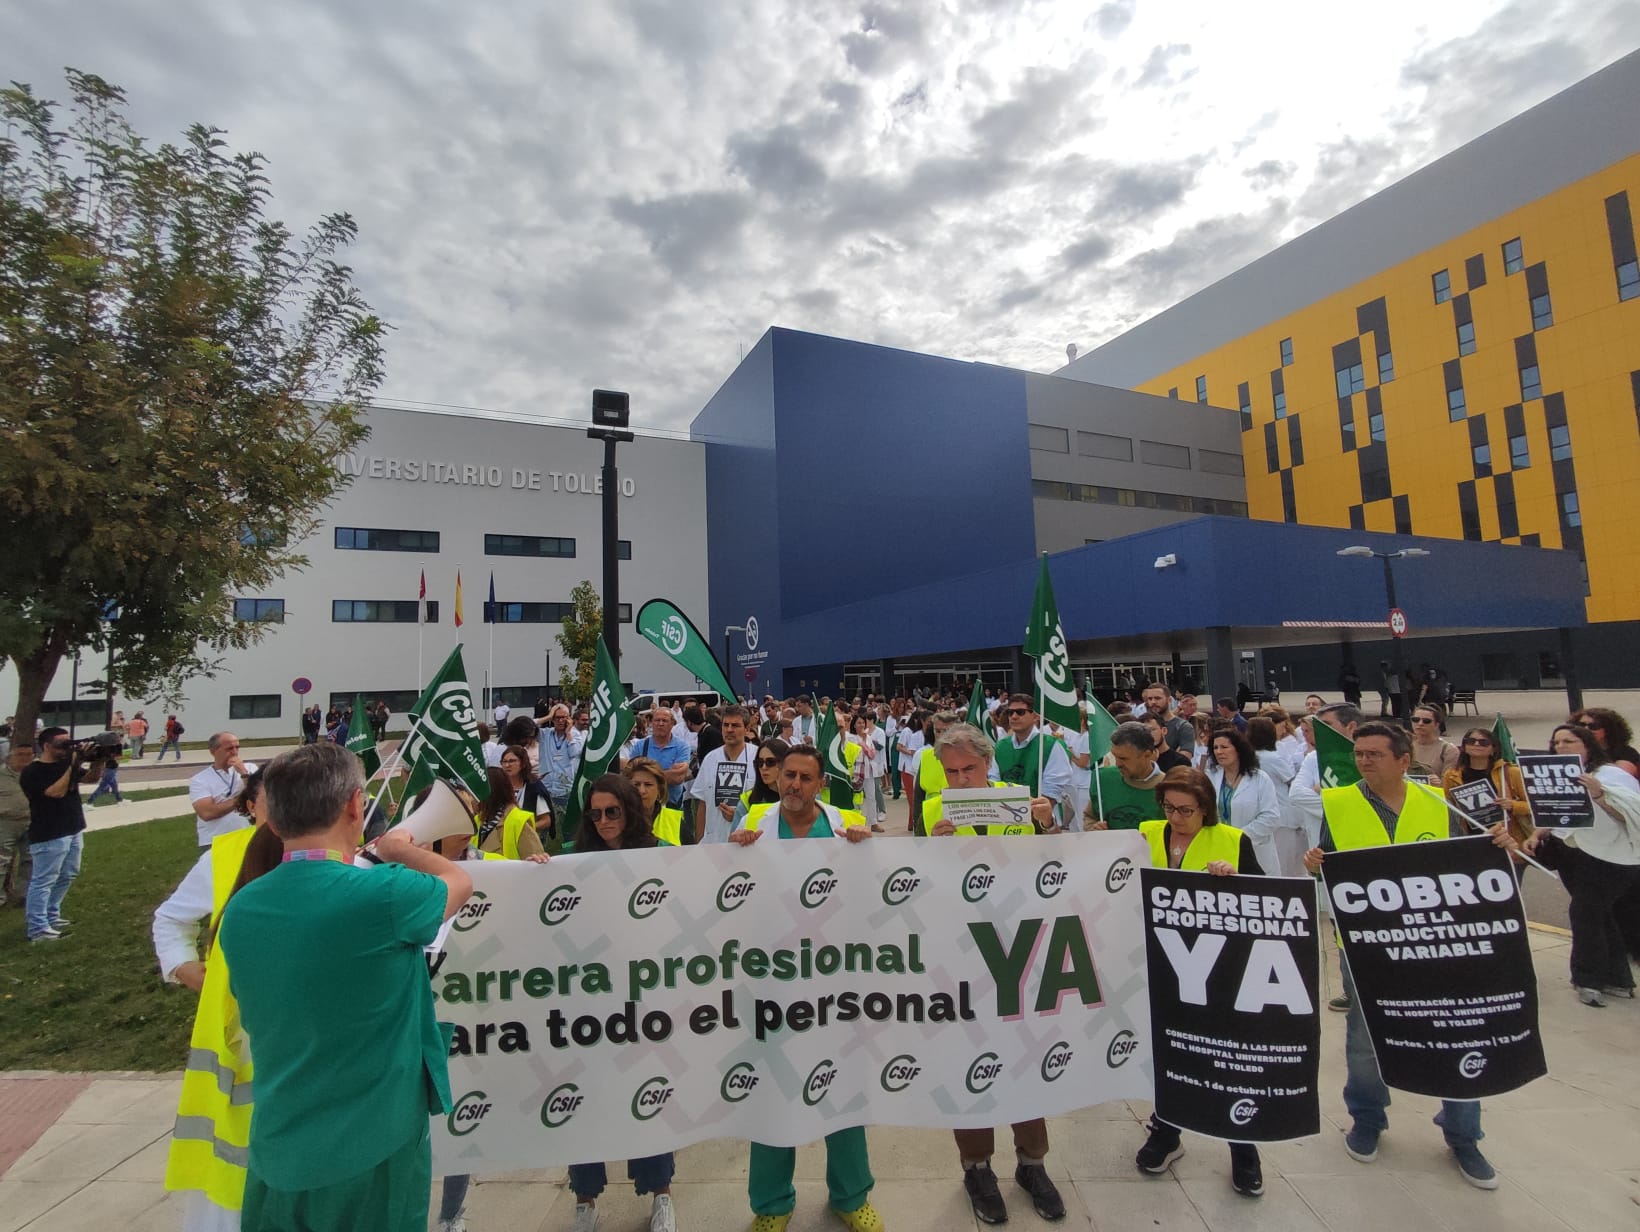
1477,801
1435,936
1234,978
1555,790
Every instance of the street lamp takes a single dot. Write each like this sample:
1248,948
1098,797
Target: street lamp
728,659
1389,593
611,410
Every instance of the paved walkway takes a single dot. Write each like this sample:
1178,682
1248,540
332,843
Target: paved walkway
1568,1148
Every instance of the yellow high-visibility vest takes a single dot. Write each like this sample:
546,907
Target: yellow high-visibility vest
1219,842
210,1141
1353,822
668,827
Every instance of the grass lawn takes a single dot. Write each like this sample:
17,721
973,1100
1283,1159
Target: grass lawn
94,1000
141,793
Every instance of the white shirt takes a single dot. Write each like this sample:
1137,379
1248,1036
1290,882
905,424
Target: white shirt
721,780
1057,780
1611,840
213,784
178,919
502,710
803,729
1255,810
911,742
492,752
1304,797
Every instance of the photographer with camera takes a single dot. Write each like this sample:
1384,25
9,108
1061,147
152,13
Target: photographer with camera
56,830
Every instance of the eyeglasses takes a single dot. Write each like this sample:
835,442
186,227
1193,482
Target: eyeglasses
1184,811
1478,741
595,815
767,761
1420,721
1017,712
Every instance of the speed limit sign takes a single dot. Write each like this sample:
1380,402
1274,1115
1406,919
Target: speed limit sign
1397,622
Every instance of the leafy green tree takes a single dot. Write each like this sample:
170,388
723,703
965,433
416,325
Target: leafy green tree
178,374
579,639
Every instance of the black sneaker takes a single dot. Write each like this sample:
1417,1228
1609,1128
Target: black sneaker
1160,1149
1034,1180
1339,1005
1246,1176
981,1184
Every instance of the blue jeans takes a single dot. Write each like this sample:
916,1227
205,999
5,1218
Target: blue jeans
1366,1096
453,1197
56,864
174,745
650,1174
110,781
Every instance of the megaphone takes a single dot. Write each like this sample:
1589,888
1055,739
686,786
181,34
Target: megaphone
440,815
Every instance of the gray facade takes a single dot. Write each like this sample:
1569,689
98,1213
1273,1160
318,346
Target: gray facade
1134,462
1578,132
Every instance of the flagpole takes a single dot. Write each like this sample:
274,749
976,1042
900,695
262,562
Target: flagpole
1464,817
421,622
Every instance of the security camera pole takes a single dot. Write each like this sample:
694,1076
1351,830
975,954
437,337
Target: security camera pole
611,412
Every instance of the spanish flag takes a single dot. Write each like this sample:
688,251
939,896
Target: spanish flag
458,598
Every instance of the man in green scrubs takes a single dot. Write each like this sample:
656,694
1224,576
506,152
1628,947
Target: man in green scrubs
325,960
1125,793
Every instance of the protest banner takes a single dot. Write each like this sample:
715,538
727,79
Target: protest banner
1477,801
1555,791
1435,937
611,1005
1235,974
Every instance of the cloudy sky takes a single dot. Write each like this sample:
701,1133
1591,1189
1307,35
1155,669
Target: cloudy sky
557,196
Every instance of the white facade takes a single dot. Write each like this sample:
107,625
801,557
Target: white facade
463,477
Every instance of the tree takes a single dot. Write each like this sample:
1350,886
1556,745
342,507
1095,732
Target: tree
178,374
579,640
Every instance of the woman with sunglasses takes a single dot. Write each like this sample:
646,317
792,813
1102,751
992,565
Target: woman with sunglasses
1191,837
1482,759
1431,755
648,779
615,819
1614,734
766,788
1600,869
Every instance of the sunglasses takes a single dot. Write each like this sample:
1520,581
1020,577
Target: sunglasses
595,815
767,761
1422,721
1478,741
1016,713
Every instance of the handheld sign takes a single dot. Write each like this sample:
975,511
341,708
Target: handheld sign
1554,789
987,806
1478,802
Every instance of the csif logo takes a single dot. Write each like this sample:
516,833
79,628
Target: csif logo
557,905
1471,1064
1243,1111
817,888
738,1082
977,882
1122,1047
899,884
1051,878
602,730
898,1074
982,1072
1118,874
819,1082
651,1097
646,900
675,634
560,1105
472,911
451,713
737,887
1427,836
1055,1061
469,1110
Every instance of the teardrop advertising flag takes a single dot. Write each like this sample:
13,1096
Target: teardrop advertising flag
662,623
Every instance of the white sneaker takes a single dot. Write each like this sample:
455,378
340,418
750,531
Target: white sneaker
458,1224
586,1217
662,1217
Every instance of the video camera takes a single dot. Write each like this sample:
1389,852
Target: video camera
103,744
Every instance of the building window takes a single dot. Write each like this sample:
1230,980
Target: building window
1160,453
623,549
1201,389
1049,439
1543,315
1099,494
1628,280
1375,425
267,537
380,611
1174,393
545,613
1482,456
1513,260
1466,338
1456,406
398,700
1286,352
1560,443
1386,367
1281,404
1217,462
1570,513
1443,286
1104,445
1531,383
1350,380
369,539
255,705
529,545
272,610
1520,453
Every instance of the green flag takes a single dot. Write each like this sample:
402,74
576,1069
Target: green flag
1506,742
361,739
1335,757
977,714
662,623
1101,723
1045,642
612,721
839,782
443,740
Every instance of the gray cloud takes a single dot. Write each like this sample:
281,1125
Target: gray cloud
888,34
1086,251
1158,66
777,162
686,229
1111,19
1269,173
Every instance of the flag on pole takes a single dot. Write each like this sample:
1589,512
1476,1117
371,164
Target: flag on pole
421,599
1101,724
839,779
458,598
1335,757
489,604
976,708
361,738
443,741
1506,742
612,722
1045,643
